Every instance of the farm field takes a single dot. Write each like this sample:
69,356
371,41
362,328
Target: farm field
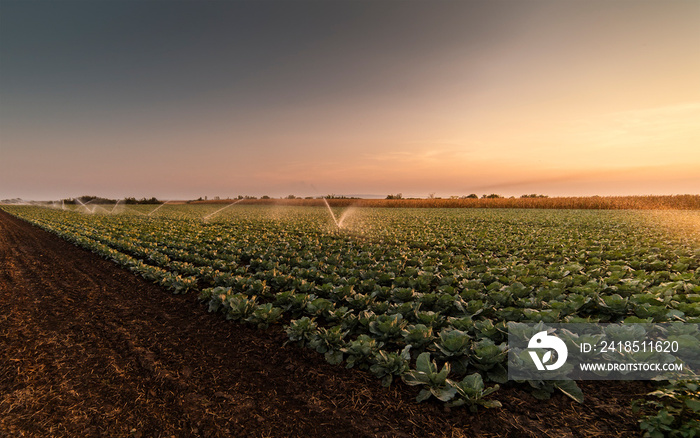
320,290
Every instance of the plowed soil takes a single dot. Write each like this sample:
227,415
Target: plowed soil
88,349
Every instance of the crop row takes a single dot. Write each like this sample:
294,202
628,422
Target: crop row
396,288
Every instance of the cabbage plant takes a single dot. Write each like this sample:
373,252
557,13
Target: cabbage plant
360,351
301,330
471,391
434,382
387,365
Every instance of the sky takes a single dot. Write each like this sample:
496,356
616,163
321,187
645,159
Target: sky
181,99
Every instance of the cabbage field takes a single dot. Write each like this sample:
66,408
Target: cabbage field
419,295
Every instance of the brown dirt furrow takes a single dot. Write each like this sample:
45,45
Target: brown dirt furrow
87,349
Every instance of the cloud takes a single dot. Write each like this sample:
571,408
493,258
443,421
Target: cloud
672,126
664,135
419,154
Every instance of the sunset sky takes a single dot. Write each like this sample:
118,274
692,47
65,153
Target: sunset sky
181,99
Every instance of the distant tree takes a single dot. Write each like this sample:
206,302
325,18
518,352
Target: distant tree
95,200
153,200
472,196
86,198
334,196
492,196
291,197
534,195
396,196
264,197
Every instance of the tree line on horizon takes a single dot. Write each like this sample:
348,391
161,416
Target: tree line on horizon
682,202
100,200
470,196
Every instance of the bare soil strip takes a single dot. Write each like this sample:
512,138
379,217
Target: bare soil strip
87,349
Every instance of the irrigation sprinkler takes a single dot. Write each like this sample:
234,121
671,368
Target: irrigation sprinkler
223,208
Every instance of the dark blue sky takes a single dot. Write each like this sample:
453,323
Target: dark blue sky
125,52
176,98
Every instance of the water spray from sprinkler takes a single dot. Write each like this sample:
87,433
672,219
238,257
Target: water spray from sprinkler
156,209
115,206
223,208
337,224
87,210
